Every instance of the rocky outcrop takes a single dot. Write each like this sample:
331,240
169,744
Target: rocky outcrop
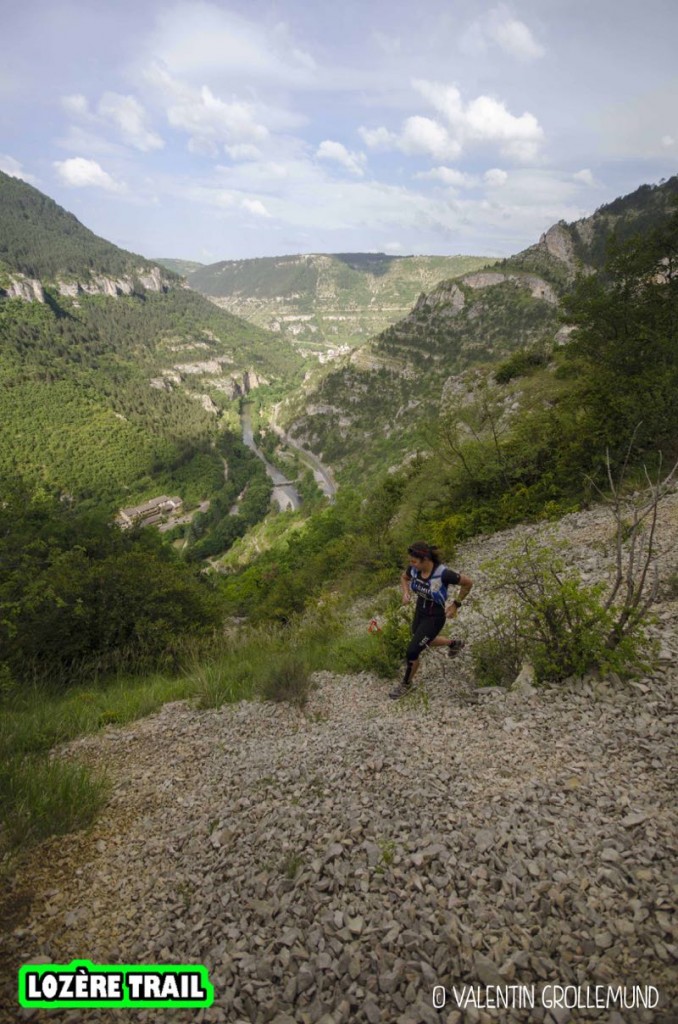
448,295
26,288
538,288
558,243
207,404
151,280
31,290
235,385
206,367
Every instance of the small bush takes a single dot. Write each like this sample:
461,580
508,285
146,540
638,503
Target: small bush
222,682
672,586
286,680
387,647
520,364
560,625
497,656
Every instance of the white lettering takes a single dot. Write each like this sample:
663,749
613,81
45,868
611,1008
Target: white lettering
135,982
34,992
151,986
169,989
98,987
49,986
82,985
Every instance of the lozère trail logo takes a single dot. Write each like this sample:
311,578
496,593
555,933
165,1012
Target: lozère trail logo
82,984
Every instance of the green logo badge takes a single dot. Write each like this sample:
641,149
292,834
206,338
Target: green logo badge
84,984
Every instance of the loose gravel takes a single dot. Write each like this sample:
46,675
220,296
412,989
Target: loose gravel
336,865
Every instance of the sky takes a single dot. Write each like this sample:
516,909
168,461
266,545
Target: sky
227,129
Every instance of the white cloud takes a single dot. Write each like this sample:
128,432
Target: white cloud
501,28
124,113
495,177
203,41
423,136
446,99
82,173
378,138
256,207
76,104
483,120
211,122
14,169
585,176
513,36
337,152
127,114
450,176
668,141
489,120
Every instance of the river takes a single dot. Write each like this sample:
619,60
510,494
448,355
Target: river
285,494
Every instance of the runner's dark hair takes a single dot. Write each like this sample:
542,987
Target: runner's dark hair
420,549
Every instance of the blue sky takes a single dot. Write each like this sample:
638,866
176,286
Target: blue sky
224,130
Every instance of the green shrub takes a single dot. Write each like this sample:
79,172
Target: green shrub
497,655
521,364
559,624
287,679
41,797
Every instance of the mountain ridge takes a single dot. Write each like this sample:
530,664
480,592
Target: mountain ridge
462,323
325,301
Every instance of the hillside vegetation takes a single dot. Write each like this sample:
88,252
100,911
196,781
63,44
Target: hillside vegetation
462,326
525,434
41,240
112,397
324,302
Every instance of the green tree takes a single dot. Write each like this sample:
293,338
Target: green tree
625,345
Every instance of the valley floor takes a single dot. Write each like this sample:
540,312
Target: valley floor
337,865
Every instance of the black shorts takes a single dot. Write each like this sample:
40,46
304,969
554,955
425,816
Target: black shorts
425,627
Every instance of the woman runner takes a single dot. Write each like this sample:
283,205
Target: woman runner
429,579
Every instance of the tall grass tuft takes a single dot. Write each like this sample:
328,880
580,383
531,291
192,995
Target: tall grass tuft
286,679
41,797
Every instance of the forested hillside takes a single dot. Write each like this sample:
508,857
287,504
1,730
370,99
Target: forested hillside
572,395
115,398
323,302
40,239
510,311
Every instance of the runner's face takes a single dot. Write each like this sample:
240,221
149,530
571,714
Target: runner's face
415,562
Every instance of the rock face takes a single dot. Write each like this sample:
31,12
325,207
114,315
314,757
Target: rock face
152,281
538,288
448,295
558,242
335,866
235,385
30,290
26,288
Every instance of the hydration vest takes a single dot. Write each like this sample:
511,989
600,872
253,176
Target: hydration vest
431,590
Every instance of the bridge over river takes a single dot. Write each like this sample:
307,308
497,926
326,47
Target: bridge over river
284,492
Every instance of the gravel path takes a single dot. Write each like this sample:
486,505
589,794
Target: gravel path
336,865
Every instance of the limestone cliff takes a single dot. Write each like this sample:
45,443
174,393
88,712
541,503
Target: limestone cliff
18,286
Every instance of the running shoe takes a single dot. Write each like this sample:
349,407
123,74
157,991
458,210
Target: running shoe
455,648
401,690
